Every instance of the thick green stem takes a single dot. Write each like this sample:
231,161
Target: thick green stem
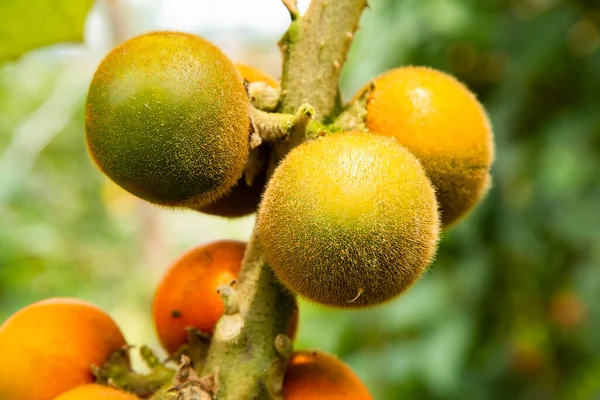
243,354
315,49
249,351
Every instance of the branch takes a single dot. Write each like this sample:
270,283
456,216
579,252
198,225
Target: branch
243,350
315,49
249,351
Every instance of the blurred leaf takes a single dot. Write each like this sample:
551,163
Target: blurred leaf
26,25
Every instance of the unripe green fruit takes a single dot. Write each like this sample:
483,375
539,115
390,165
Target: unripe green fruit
243,199
349,220
167,119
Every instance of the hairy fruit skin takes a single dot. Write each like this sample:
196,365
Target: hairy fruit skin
167,119
315,376
349,220
187,294
96,392
441,122
48,348
243,199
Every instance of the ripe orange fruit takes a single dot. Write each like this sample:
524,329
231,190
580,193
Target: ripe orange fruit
349,220
252,74
187,294
48,348
96,392
441,122
312,375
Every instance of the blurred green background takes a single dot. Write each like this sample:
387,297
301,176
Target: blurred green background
511,307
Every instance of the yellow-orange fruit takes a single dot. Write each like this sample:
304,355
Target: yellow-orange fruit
312,375
48,348
96,392
167,119
252,74
349,220
441,122
187,294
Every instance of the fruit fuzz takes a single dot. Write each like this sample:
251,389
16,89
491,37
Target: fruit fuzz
167,119
349,220
242,199
441,122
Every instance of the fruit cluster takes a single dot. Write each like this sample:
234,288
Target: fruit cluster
53,349
349,218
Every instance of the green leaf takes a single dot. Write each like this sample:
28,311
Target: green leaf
26,25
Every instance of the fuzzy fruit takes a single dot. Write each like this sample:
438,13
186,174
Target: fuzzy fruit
441,122
167,119
187,294
48,348
242,199
349,220
96,392
315,376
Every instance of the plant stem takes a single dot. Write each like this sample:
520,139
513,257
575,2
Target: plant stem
243,354
315,49
248,353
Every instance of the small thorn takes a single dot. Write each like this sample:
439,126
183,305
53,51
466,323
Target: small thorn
337,65
349,35
284,346
229,298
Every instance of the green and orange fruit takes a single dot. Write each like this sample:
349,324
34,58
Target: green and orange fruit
349,220
167,119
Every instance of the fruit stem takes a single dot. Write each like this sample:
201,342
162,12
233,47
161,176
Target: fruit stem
263,96
271,127
117,372
354,115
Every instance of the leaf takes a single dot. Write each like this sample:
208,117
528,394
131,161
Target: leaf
26,25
